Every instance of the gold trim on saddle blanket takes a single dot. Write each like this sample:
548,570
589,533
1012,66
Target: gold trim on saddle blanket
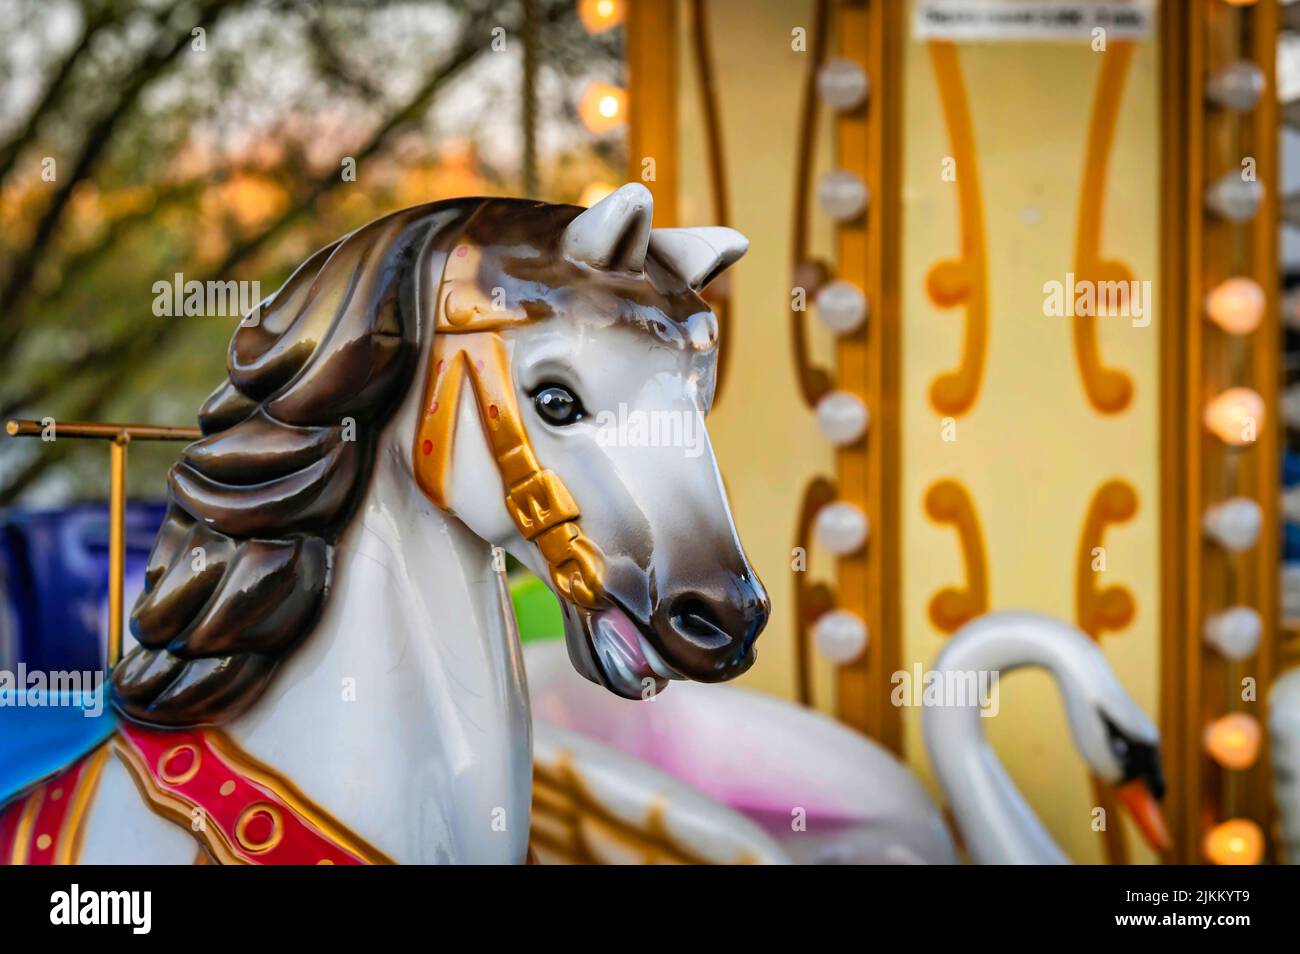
240,810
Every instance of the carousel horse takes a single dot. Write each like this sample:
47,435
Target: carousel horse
324,665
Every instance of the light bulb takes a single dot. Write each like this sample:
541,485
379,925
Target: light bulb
1236,305
602,107
594,192
842,417
842,528
842,85
1235,416
841,307
1234,198
840,636
597,16
1237,841
1234,632
1233,523
1237,87
1233,740
843,195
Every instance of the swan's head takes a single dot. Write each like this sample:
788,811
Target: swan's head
1116,738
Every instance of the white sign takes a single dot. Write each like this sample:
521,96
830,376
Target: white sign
1018,20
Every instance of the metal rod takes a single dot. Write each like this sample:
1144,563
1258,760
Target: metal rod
121,435
108,432
116,546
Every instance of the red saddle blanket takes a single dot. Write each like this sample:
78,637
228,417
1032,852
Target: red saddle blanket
240,811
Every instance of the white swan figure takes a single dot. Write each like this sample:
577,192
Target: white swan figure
829,794
1119,743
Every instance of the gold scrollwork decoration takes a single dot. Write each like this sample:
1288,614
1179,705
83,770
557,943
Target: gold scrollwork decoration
948,502
1108,389
963,280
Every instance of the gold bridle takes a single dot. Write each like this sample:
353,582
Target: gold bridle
467,340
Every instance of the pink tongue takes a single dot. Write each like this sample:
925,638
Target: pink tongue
627,636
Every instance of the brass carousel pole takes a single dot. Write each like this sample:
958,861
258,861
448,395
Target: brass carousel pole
121,435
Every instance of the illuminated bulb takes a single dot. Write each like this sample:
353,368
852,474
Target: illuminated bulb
841,528
1237,87
1240,3
1237,841
840,636
1233,740
842,85
597,16
843,195
1234,632
1236,305
594,193
842,417
1234,198
1235,416
602,107
841,307
1233,523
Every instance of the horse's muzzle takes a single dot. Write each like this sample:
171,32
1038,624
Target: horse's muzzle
707,633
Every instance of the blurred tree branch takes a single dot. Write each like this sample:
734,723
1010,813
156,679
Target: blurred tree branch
22,269
98,369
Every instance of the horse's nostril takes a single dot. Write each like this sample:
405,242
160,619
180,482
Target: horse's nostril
696,621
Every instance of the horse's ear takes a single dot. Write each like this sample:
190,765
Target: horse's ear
613,234
698,255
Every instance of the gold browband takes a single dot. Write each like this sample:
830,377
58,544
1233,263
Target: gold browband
467,340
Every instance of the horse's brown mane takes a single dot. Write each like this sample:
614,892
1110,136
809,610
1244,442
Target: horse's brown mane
241,566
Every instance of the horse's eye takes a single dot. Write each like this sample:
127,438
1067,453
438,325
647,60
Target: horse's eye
558,405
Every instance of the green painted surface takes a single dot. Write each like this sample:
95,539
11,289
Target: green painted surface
536,608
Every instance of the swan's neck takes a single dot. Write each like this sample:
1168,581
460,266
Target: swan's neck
405,714
996,822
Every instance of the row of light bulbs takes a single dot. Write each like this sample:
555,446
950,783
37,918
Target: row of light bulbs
841,527
1236,305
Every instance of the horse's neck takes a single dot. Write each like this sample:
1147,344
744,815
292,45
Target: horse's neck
405,713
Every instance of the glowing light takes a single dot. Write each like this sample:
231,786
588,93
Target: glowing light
1235,416
1236,305
840,636
597,16
602,107
594,193
842,85
1237,841
842,528
1233,740
843,195
1233,523
841,307
1235,632
842,417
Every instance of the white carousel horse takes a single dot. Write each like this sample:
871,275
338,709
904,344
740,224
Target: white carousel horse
828,794
328,587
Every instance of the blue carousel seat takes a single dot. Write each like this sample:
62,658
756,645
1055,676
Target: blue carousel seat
41,734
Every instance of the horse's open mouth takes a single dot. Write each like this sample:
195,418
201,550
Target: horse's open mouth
629,665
